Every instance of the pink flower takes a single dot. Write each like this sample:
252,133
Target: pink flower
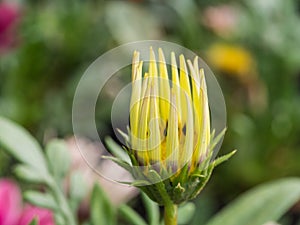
221,19
9,17
11,209
44,216
10,202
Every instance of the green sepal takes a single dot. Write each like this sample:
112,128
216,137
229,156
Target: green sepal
224,158
116,150
200,183
124,135
216,140
138,183
120,162
160,192
182,176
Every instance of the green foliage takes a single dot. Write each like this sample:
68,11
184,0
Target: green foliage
78,190
151,209
186,213
131,216
264,203
267,202
17,140
44,200
29,174
102,211
58,158
58,39
35,168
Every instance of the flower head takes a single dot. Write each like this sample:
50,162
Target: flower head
169,138
169,119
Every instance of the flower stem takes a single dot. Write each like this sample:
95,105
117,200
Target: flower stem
170,214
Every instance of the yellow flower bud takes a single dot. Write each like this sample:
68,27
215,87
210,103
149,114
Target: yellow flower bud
169,138
169,113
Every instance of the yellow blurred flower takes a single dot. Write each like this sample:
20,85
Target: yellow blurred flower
232,59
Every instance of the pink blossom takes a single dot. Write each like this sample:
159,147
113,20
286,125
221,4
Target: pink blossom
221,19
43,216
10,202
9,17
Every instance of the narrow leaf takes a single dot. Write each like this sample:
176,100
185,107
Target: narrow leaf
30,174
152,210
58,158
78,189
19,143
102,211
267,202
131,216
43,200
116,150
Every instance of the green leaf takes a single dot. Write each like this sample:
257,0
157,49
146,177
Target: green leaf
186,213
58,158
102,211
152,210
116,150
267,202
43,200
59,219
78,189
30,174
19,143
34,222
131,216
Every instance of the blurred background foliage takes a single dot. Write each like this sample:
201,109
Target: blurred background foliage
252,46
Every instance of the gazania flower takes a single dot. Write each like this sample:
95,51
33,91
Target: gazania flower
169,140
169,120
